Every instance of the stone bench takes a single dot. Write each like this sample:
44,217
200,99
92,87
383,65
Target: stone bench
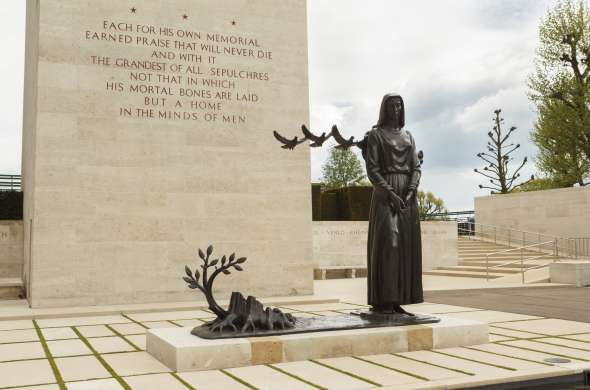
576,272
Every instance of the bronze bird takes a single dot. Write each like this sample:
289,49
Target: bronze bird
288,143
342,142
317,140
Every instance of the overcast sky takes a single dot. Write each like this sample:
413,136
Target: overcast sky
453,61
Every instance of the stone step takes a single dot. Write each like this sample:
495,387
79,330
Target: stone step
492,263
11,288
340,272
498,270
463,274
505,257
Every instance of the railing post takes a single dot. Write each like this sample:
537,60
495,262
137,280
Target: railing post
522,263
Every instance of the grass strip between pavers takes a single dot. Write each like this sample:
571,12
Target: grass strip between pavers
474,361
392,368
102,361
434,365
121,335
178,378
60,382
545,352
509,356
355,376
135,322
239,380
296,377
560,345
31,387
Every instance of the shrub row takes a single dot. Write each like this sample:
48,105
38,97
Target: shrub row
343,204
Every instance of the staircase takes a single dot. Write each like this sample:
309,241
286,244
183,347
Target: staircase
472,260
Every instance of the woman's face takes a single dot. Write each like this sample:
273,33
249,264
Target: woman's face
394,109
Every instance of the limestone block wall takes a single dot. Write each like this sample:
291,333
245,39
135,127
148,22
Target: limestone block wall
344,243
563,212
126,175
11,249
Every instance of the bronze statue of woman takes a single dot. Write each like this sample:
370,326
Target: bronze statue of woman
394,249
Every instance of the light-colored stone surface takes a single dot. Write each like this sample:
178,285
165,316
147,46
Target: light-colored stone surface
515,352
548,326
322,376
265,378
11,249
58,333
81,321
491,316
117,205
154,382
26,373
181,351
17,324
560,212
211,380
139,341
134,363
81,368
95,331
21,351
129,329
18,336
550,348
372,372
63,348
344,243
99,384
424,370
110,345
570,272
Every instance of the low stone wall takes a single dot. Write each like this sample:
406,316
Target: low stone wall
344,243
11,249
563,212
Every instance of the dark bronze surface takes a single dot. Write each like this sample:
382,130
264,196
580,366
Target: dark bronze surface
356,320
244,314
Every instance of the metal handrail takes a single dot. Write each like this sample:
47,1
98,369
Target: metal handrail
522,259
569,247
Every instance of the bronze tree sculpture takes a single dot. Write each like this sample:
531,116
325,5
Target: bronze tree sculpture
247,314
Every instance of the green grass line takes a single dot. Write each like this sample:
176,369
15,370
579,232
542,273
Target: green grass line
474,361
123,337
392,369
296,377
347,373
509,356
173,323
135,322
545,352
514,330
434,365
561,345
32,387
102,361
239,380
185,383
59,379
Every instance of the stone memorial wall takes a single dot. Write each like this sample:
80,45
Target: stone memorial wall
148,134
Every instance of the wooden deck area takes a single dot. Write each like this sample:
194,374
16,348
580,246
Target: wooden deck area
564,302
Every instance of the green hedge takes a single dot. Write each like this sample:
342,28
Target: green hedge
343,204
11,205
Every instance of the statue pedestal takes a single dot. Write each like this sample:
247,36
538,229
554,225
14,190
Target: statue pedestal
180,351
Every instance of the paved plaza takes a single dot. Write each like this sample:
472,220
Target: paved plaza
106,352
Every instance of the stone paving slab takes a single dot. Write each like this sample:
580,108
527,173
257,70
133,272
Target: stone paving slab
517,352
322,376
26,373
265,378
211,380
